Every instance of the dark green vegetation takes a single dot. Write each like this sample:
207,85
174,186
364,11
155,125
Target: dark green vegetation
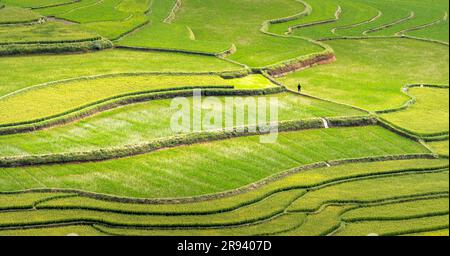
86,145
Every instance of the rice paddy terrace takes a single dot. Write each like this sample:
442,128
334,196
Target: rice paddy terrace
85,110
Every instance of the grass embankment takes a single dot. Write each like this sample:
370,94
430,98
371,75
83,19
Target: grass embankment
34,4
368,190
428,115
49,100
136,123
396,227
363,18
101,11
16,15
371,205
22,201
111,18
424,12
211,167
254,48
321,11
48,32
413,209
306,179
160,34
32,70
438,32
75,230
352,12
440,147
370,73
25,31
441,232
264,209
390,14
278,194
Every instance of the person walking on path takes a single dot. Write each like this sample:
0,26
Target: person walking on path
299,87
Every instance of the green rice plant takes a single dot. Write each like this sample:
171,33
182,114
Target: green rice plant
262,210
180,140
440,147
441,232
212,167
370,190
276,225
23,201
387,14
48,32
254,48
352,12
321,11
320,223
74,94
133,5
365,18
33,70
438,31
308,226
123,170
395,227
314,224
161,35
101,11
305,179
55,48
370,73
111,19
399,211
57,10
116,29
14,15
35,4
137,97
74,230
428,115
110,124
423,12
398,19
270,227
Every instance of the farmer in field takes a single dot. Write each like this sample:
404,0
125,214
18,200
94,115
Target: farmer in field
299,87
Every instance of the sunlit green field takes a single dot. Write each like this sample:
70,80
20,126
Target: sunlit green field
11,15
146,121
169,172
440,147
88,147
72,94
33,70
428,115
370,73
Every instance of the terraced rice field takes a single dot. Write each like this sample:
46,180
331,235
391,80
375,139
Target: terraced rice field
87,139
